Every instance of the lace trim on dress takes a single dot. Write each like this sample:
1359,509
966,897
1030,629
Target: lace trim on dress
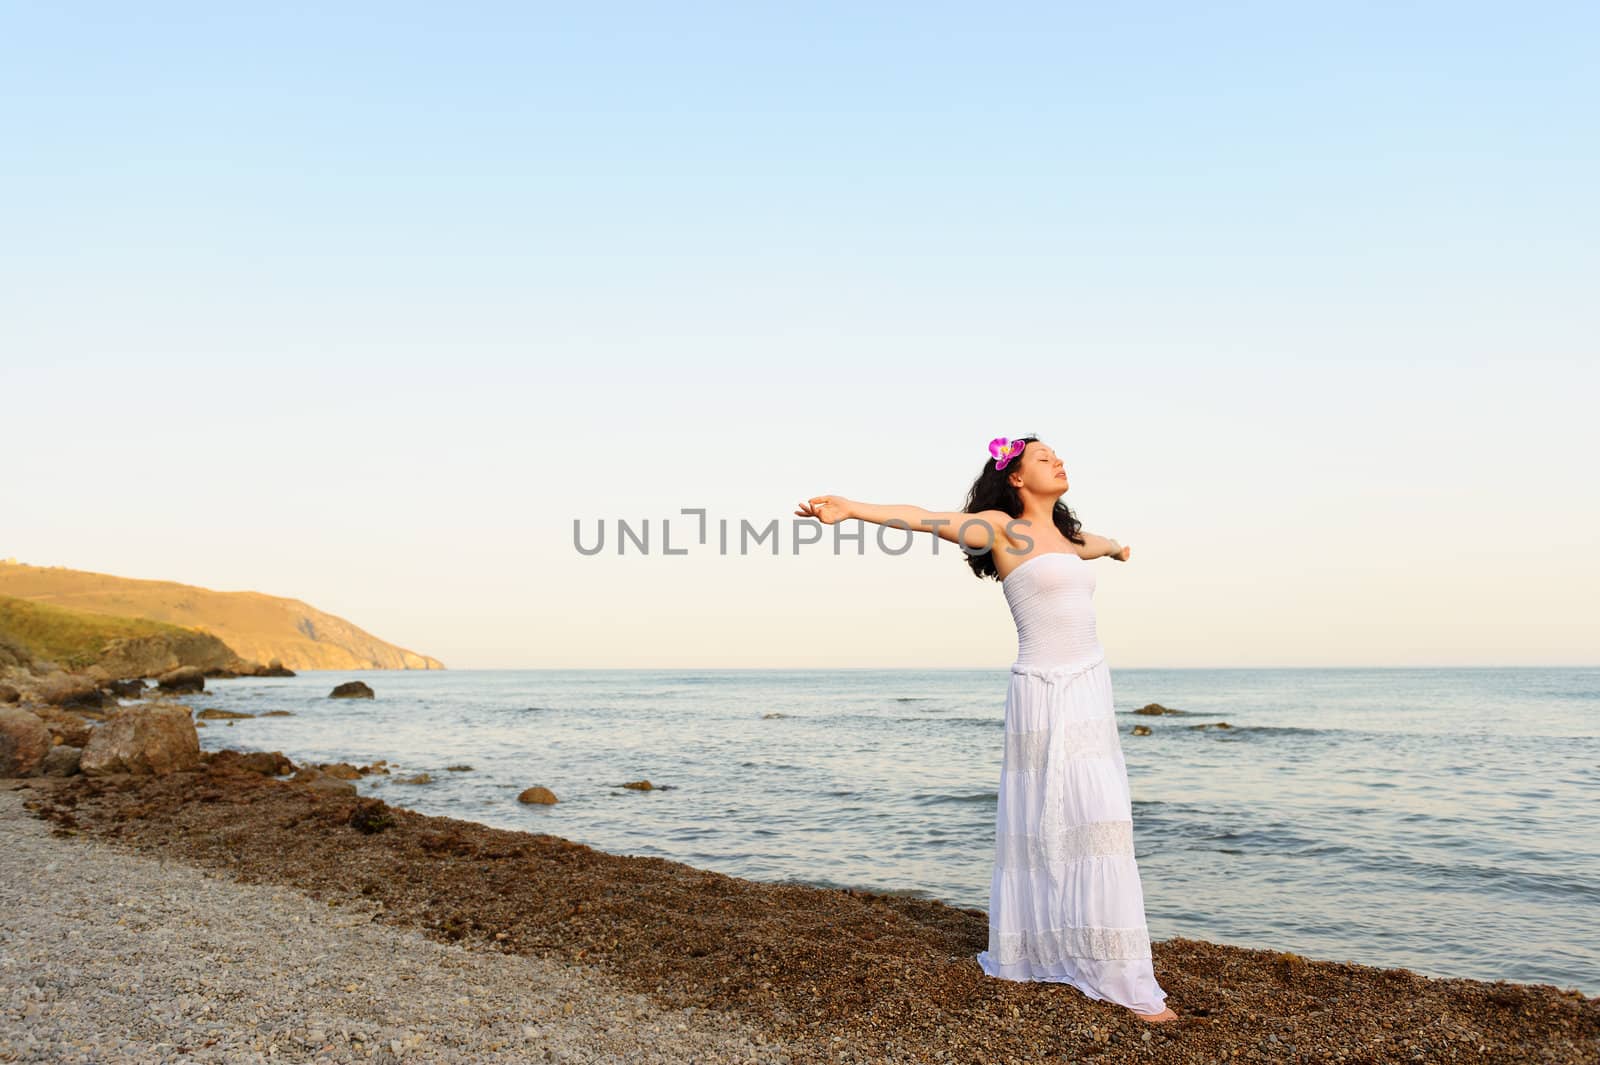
1028,752
1070,843
1052,946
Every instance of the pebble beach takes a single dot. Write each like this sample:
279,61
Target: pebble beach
112,956
222,913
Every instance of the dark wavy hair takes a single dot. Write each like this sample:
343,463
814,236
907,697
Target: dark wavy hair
993,491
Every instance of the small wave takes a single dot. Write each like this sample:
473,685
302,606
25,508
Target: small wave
1214,726
1267,731
924,715
1265,839
838,885
1514,882
979,722
937,799
1283,843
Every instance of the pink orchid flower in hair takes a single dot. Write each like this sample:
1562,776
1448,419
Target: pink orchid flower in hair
1004,450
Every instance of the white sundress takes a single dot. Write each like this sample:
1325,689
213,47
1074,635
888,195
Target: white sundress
1065,903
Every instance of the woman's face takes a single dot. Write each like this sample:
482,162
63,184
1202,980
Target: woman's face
1039,470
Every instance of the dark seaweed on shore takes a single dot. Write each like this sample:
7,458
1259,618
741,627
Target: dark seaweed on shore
839,976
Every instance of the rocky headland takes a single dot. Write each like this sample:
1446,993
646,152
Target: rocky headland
250,626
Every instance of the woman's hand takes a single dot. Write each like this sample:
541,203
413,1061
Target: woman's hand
1104,547
826,509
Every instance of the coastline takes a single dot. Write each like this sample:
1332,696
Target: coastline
817,975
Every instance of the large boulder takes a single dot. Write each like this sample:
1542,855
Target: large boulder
71,689
24,741
183,679
9,694
352,689
143,739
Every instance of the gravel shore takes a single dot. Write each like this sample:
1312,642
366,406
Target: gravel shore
107,956
479,934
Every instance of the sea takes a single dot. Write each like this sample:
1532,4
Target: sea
1441,820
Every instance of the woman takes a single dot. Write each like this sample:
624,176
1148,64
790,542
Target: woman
1065,901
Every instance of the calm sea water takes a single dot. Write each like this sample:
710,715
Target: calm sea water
1437,819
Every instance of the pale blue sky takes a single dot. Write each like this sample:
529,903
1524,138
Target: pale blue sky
365,308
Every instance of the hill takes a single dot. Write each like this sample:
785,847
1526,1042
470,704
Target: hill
75,640
256,626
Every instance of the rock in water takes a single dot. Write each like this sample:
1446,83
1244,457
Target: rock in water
317,780
340,770
351,689
182,679
267,763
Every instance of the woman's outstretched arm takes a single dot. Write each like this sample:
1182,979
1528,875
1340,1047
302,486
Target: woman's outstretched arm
1102,547
986,528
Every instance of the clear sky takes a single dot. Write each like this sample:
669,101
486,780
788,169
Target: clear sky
366,307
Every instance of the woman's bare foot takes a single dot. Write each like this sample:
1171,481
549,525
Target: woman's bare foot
1165,1016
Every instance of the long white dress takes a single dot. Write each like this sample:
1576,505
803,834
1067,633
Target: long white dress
1065,904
